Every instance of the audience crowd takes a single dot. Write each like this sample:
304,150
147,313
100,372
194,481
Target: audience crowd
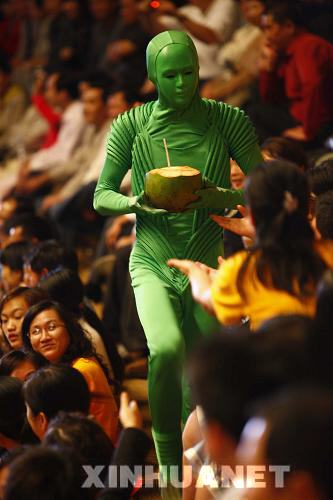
262,387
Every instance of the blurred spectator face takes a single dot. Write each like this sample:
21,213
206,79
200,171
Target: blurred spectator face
10,278
252,11
7,209
128,10
94,107
15,234
30,277
24,370
12,315
101,9
4,82
51,92
49,336
277,35
299,485
117,104
237,176
71,8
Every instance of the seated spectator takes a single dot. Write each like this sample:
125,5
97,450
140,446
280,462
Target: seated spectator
279,273
12,413
294,429
297,70
12,100
227,374
49,329
13,308
44,258
26,227
281,148
323,218
71,206
45,474
65,286
67,178
11,260
32,173
321,177
69,392
69,49
209,23
80,434
238,58
20,364
104,21
125,54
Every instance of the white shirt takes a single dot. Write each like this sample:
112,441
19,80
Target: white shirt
222,17
71,127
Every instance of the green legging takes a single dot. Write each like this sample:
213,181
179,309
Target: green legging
173,323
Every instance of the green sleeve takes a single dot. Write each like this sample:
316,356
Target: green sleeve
107,199
243,147
241,138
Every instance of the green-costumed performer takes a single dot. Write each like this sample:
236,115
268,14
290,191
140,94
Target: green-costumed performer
203,134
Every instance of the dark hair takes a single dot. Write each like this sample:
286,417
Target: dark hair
324,214
12,408
50,255
301,434
229,372
31,296
281,148
221,375
32,225
284,11
10,361
12,255
82,435
69,83
285,259
56,388
321,177
64,286
79,346
104,87
131,94
46,474
281,348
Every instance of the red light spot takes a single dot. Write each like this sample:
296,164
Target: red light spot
155,4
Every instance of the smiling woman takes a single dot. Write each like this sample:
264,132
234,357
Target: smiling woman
49,329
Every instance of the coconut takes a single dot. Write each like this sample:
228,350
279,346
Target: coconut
172,188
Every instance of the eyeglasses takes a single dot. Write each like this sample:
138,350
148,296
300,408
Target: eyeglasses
49,327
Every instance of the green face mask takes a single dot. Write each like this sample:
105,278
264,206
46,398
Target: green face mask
176,76
173,66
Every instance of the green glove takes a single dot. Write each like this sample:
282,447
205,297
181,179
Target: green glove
140,205
216,198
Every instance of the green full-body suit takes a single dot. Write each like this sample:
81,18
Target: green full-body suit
200,133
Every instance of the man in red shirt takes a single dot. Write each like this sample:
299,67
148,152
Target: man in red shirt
296,79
